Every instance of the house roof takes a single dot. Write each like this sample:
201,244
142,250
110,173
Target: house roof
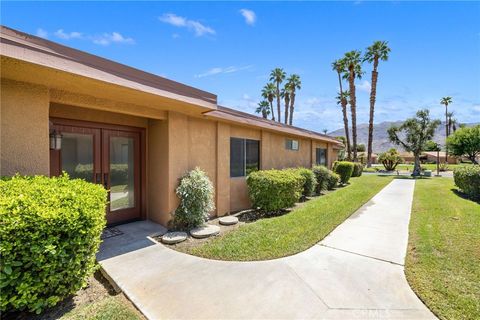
231,115
25,47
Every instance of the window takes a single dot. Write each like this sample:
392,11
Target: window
291,144
244,156
321,156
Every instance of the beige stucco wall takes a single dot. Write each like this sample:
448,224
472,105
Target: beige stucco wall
24,129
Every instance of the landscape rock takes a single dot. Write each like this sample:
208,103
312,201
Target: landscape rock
174,237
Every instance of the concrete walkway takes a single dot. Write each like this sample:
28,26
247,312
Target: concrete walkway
354,273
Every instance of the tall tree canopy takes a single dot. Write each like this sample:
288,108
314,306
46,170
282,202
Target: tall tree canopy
465,142
417,131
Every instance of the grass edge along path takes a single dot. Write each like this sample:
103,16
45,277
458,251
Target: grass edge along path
296,231
443,257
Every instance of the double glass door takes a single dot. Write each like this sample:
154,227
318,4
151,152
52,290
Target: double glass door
106,156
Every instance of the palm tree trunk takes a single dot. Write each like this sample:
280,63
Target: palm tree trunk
271,109
345,124
353,106
373,94
446,132
287,103
345,117
292,107
278,102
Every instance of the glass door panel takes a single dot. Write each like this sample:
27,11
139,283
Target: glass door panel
122,171
77,155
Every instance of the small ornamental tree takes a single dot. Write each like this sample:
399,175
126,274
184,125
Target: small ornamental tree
465,142
390,159
417,132
196,199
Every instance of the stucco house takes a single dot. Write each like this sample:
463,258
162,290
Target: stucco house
137,133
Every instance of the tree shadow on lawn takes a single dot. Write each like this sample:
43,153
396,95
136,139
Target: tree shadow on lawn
464,196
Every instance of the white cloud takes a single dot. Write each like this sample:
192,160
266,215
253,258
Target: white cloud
107,38
198,28
42,33
219,70
249,15
68,35
364,86
103,39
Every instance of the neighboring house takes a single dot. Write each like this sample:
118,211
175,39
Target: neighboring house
134,132
363,157
431,156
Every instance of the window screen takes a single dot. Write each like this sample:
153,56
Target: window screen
321,156
244,156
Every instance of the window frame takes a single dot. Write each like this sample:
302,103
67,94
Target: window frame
244,156
325,156
289,144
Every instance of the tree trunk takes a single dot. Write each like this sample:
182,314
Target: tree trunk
287,104
278,103
446,132
292,103
345,124
353,106
271,109
345,117
373,94
416,168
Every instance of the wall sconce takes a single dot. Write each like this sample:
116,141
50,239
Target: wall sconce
55,140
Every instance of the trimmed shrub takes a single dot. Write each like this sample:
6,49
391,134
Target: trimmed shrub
49,234
333,180
467,178
357,169
196,200
321,174
273,190
344,169
390,159
310,181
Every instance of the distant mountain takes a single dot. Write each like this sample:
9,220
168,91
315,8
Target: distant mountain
381,143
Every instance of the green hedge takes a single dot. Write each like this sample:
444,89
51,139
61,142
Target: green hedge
321,174
273,190
310,181
49,234
344,169
467,178
357,169
333,180
196,195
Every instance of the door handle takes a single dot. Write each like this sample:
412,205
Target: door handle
105,181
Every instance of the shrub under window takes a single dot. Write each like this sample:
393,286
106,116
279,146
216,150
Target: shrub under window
273,190
49,234
344,169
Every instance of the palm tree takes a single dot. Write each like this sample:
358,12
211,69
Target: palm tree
339,67
377,51
342,100
277,76
294,83
268,92
285,94
353,63
446,101
450,122
325,131
263,108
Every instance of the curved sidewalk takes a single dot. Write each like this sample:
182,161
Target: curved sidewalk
356,272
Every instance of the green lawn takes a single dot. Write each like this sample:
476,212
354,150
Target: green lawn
294,232
110,308
443,260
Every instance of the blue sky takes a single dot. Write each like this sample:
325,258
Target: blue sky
230,48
